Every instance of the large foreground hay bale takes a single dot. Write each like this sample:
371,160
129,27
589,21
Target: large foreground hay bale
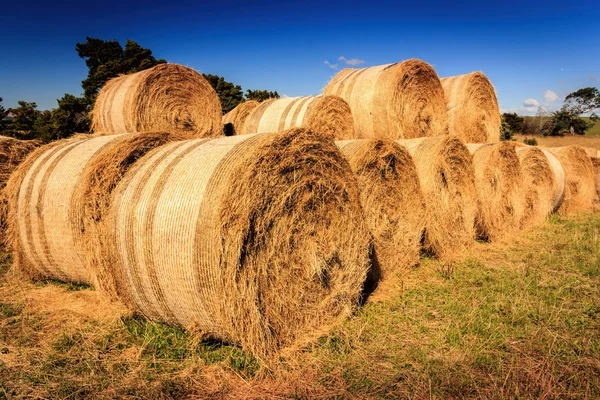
499,183
237,117
392,201
256,239
168,97
324,114
48,201
393,101
448,184
560,180
538,185
473,111
580,191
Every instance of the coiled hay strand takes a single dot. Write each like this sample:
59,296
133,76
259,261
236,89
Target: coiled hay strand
499,183
591,152
393,204
168,97
580,190
560,180
473,111
538,185
255,239
393,101
92,196
324,114
596,164
448,184
237,116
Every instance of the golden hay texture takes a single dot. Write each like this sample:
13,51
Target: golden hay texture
448,184
168,97
596,164
393,204
591,152
560,180
394,101
538,185
255,239
580,191
328,115
473,111
499,183
237,116
45,199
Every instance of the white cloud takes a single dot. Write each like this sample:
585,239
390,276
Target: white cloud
353,61
550,96
330,65
530,103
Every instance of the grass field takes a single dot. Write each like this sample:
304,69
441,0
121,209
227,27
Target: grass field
518,320
590,139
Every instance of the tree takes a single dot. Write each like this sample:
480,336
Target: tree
71,116
3,114
514,122
261,95
229,94
564,122
568,119
25,117
106,59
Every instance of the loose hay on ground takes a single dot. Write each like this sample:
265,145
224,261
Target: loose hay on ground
394,101
580,189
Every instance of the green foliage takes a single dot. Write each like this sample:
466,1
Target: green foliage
230,95
505,132
261,95
71,116
25,117
514,121
563,121
106,59
530,141
582,101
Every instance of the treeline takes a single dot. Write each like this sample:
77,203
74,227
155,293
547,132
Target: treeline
105,60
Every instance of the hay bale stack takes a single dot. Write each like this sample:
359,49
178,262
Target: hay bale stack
560,180
538,185
256,239
580,191
392,201
448,184
48,202
168,97
473,111
324,114
499,182
394,101
237,116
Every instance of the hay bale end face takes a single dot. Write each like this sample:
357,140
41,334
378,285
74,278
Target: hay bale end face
473,111
580,191
329,115
237,116
393,204
448,183
499,182
168,98
560,180
538,185
256,239
394,101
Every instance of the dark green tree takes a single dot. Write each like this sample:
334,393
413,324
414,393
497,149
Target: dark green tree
261,95
564,122
568,120
106,59
25,117
3,114
514,121
71,116
229,94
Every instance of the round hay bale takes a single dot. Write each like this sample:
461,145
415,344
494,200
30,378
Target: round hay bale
591,152
394,101
48,201
560,180
473,111
255,239
168,97
580,191
538,185
499,182
596,164
393,204
448,184
237,116
328,115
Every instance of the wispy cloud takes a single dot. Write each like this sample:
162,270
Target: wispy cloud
352,61
550,96
330,65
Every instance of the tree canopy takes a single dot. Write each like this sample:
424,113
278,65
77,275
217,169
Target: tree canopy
568,118
261,95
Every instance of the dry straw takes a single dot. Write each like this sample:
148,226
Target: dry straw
499,183
591,152
393,204
538,185
560,180
393,101
47,202
237,116
448,184
580,190
255,239
168,97
329,115
473,111
596,164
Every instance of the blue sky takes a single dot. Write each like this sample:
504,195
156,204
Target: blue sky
534,52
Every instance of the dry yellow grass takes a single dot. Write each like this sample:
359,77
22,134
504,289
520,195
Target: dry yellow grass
561,141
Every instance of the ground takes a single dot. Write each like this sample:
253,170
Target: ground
514,319
590,139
